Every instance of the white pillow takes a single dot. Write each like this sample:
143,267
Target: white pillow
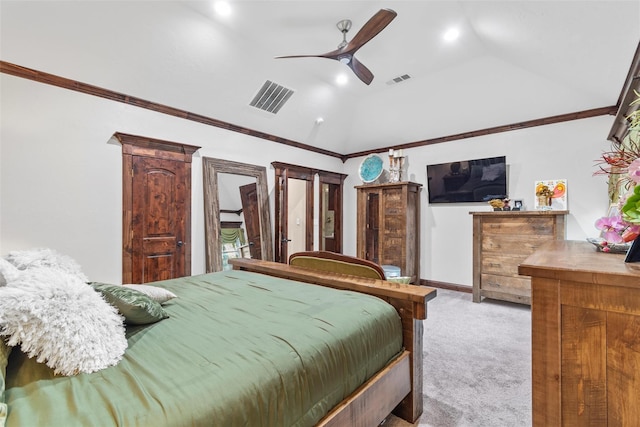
59,320
43,257
156,293
8,272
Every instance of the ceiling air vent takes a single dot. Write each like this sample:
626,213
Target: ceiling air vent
399,79
271,97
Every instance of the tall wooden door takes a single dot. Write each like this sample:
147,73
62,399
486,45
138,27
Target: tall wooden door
330,198
287,176
156,209
282,218
249,198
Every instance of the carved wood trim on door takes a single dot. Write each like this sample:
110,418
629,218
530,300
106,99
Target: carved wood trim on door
174,157
335,186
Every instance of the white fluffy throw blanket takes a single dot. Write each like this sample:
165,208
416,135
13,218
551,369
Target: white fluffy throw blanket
44,257
60,320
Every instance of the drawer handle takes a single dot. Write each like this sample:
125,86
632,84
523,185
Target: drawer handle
493,264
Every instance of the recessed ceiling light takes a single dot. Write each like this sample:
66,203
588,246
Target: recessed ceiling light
342,79
451,34
222,8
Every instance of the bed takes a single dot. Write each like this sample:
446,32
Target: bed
254,346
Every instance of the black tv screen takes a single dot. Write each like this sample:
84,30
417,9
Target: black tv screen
467,181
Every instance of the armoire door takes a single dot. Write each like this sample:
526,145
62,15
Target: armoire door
156,209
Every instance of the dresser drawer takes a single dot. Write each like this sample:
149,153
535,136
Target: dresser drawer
527,226
520,285
513,244
496,263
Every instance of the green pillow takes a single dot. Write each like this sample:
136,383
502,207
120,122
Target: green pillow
5,350
136,307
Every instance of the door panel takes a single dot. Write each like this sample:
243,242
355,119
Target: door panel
330,224
159,219
372,233
249,197
156,208
282,219
296,216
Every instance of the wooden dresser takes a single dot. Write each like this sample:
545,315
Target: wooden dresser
501,241
585,314
388,226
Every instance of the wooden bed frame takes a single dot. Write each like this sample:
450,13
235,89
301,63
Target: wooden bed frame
398,387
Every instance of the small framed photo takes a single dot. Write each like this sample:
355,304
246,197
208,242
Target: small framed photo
517,205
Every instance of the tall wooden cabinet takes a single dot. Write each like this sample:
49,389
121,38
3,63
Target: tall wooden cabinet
501,241
585,329
388,226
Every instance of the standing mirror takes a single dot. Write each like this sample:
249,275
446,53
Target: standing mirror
254,199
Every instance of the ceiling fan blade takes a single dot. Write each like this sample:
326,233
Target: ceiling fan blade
374,25
377,23
300,56
361,71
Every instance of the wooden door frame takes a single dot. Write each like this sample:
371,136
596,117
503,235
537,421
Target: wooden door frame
141,146
286,170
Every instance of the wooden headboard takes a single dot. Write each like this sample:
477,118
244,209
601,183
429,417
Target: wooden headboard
337,263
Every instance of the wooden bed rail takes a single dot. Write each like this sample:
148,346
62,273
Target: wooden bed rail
418,296
410,302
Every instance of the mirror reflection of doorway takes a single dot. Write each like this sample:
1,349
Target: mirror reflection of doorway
239,218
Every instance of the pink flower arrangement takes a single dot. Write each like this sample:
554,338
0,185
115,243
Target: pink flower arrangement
622,164
634,171
616,230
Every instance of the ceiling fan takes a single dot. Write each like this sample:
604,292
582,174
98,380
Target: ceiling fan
346,50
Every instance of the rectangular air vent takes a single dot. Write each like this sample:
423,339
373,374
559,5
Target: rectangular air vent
271,97
399,79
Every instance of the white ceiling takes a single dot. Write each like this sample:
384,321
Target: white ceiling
514,61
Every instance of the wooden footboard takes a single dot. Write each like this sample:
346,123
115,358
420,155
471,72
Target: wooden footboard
411,303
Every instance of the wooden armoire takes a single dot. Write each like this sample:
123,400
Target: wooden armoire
388,226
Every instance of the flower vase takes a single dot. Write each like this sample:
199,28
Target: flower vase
633,254
544,202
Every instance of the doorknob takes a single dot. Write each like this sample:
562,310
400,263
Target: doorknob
180,243
285,240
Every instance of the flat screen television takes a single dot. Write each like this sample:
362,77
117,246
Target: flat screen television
467,181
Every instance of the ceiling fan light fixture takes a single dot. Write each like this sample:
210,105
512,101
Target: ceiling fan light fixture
451,34
222,8
344,25
345,60
342,79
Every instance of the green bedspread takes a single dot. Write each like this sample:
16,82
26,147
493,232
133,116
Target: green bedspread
239,349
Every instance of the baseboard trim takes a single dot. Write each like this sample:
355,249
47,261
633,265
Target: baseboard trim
446,285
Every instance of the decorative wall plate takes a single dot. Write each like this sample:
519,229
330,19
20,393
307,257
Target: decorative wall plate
371,168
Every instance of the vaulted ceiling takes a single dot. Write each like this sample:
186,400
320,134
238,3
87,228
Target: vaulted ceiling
513,61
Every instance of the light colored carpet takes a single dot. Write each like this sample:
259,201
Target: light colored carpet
477,364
